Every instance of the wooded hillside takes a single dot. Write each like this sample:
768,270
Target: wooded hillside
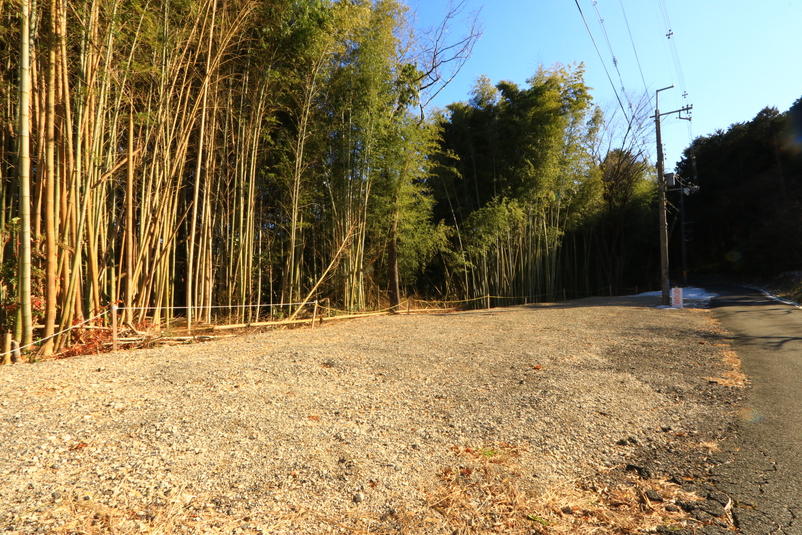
746,218
173,157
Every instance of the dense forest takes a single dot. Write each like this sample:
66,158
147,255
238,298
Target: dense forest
746,217
206,157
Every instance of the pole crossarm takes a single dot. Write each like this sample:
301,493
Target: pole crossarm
687,108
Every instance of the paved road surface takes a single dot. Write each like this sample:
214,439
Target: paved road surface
765,477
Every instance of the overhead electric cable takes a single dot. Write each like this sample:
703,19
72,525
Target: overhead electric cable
621,104
680,76
662,10
678,67
635,49
612,54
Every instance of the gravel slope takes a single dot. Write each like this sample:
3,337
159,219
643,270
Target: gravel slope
380,424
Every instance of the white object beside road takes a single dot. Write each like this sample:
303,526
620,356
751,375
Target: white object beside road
676,297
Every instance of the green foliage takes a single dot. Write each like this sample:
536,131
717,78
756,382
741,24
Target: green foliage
494,221
514,176
403,203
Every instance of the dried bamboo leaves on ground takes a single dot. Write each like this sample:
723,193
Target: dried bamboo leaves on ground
549,418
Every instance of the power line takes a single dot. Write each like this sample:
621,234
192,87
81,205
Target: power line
612,54
635,49
662,10
680,76
641,143
672,58
621,104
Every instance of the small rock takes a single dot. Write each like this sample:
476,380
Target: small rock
671,508
713,508
642,471
359,497
722,523
623,442
568,510
677,480
719,497
654,496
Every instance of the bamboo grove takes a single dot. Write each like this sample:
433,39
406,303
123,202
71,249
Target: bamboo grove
177,156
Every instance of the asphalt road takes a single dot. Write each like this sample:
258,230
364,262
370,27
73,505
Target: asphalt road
764,477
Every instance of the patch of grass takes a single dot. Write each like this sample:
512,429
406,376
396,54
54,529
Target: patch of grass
184,514
479,495
541,521
474,495
733,376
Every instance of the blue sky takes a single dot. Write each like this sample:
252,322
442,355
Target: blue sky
735,57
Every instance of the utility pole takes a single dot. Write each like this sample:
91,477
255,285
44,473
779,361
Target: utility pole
661,188
682,233
684,188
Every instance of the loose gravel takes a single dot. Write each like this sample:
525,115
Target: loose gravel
356,426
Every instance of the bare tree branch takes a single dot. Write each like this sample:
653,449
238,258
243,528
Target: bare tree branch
440,58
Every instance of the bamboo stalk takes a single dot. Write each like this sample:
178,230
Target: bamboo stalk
114,326
51,216
24,262
7,349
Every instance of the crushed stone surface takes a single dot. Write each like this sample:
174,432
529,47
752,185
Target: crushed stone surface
351,424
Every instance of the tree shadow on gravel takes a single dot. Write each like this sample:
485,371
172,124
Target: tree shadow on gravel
647,301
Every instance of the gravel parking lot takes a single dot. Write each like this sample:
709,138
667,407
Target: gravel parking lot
594,415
